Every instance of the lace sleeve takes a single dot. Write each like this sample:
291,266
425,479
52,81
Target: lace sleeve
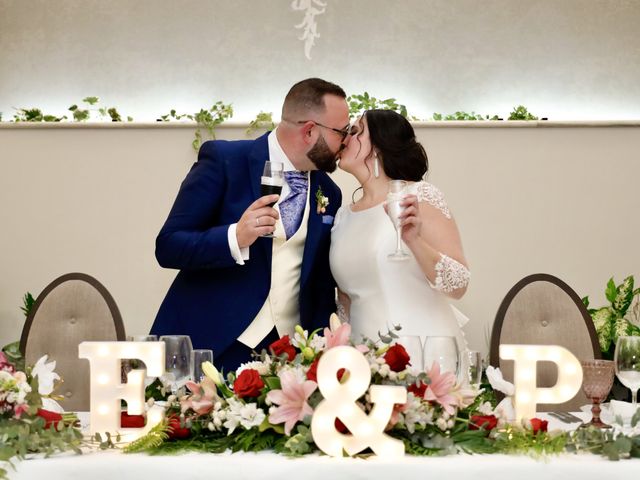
341,311
450,275
432,195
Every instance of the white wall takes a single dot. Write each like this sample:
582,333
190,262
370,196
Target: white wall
527,200
569,59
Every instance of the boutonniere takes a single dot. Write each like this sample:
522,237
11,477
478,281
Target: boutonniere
321,201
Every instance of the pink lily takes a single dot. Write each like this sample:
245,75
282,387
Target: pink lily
203,399
439,390
291,400
338,336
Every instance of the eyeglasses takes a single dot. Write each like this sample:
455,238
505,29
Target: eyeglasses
344,132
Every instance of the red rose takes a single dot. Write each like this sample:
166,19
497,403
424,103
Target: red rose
176,432
539,425
131,421
341,427
312,373
248,384
282,346
397,358
51,418
488,422
418,389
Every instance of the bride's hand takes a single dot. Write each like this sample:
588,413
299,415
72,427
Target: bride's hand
411,221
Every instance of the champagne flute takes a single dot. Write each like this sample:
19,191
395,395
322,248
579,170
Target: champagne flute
394,210
271,183
444,351
177,363
198,357
627,364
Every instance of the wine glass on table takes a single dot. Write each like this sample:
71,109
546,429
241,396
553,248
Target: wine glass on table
413,345
199,356
394,210
627,364
597,380
444,351
271,183
178,360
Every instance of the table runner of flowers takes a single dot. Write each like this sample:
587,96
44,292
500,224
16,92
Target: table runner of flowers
267,404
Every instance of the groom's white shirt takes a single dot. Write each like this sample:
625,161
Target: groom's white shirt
282,307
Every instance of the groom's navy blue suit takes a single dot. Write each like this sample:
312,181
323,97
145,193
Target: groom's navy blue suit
213,299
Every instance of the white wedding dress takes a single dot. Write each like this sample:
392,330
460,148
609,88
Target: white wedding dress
385,293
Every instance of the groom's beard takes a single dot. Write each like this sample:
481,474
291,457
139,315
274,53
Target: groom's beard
322,156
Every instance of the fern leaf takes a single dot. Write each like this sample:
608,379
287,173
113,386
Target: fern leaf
156,437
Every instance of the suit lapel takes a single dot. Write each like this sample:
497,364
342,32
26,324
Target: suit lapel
314,228
257,157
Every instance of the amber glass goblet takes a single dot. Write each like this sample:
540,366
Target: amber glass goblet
597,380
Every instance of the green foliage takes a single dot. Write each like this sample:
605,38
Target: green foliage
207,119
14,355
28,435
518,440
358,104
263,121
612,321
27,303
464,116
151,441
34,115
521,113
301,443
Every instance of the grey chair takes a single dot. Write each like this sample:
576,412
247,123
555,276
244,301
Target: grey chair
71,309
543,310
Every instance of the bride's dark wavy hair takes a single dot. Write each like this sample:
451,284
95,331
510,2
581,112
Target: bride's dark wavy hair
400,155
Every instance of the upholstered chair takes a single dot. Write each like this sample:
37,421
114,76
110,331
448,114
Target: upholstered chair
543,310
72,309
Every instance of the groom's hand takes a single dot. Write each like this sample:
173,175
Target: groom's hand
257,220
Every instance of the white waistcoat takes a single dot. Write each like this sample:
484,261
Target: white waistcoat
282,307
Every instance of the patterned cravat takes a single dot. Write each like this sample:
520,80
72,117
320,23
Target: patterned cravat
292,207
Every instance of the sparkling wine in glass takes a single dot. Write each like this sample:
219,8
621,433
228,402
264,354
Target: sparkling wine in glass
597,380
198,357
177,363
627,364
444,351
271,183
394,210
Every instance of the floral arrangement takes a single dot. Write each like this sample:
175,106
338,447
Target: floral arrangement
31,421
268,403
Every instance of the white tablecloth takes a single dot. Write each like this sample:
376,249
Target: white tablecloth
110,465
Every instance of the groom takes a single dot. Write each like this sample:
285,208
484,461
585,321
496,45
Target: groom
238,291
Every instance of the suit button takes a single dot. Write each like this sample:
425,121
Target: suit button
68,394
73,321
544,323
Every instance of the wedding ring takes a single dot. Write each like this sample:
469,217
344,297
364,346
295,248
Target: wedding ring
258,221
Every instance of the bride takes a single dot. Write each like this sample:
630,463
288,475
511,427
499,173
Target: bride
374,292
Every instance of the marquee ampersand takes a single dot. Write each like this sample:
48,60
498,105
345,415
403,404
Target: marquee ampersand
340,402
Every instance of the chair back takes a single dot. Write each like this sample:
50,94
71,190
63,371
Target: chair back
543,310
72,309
